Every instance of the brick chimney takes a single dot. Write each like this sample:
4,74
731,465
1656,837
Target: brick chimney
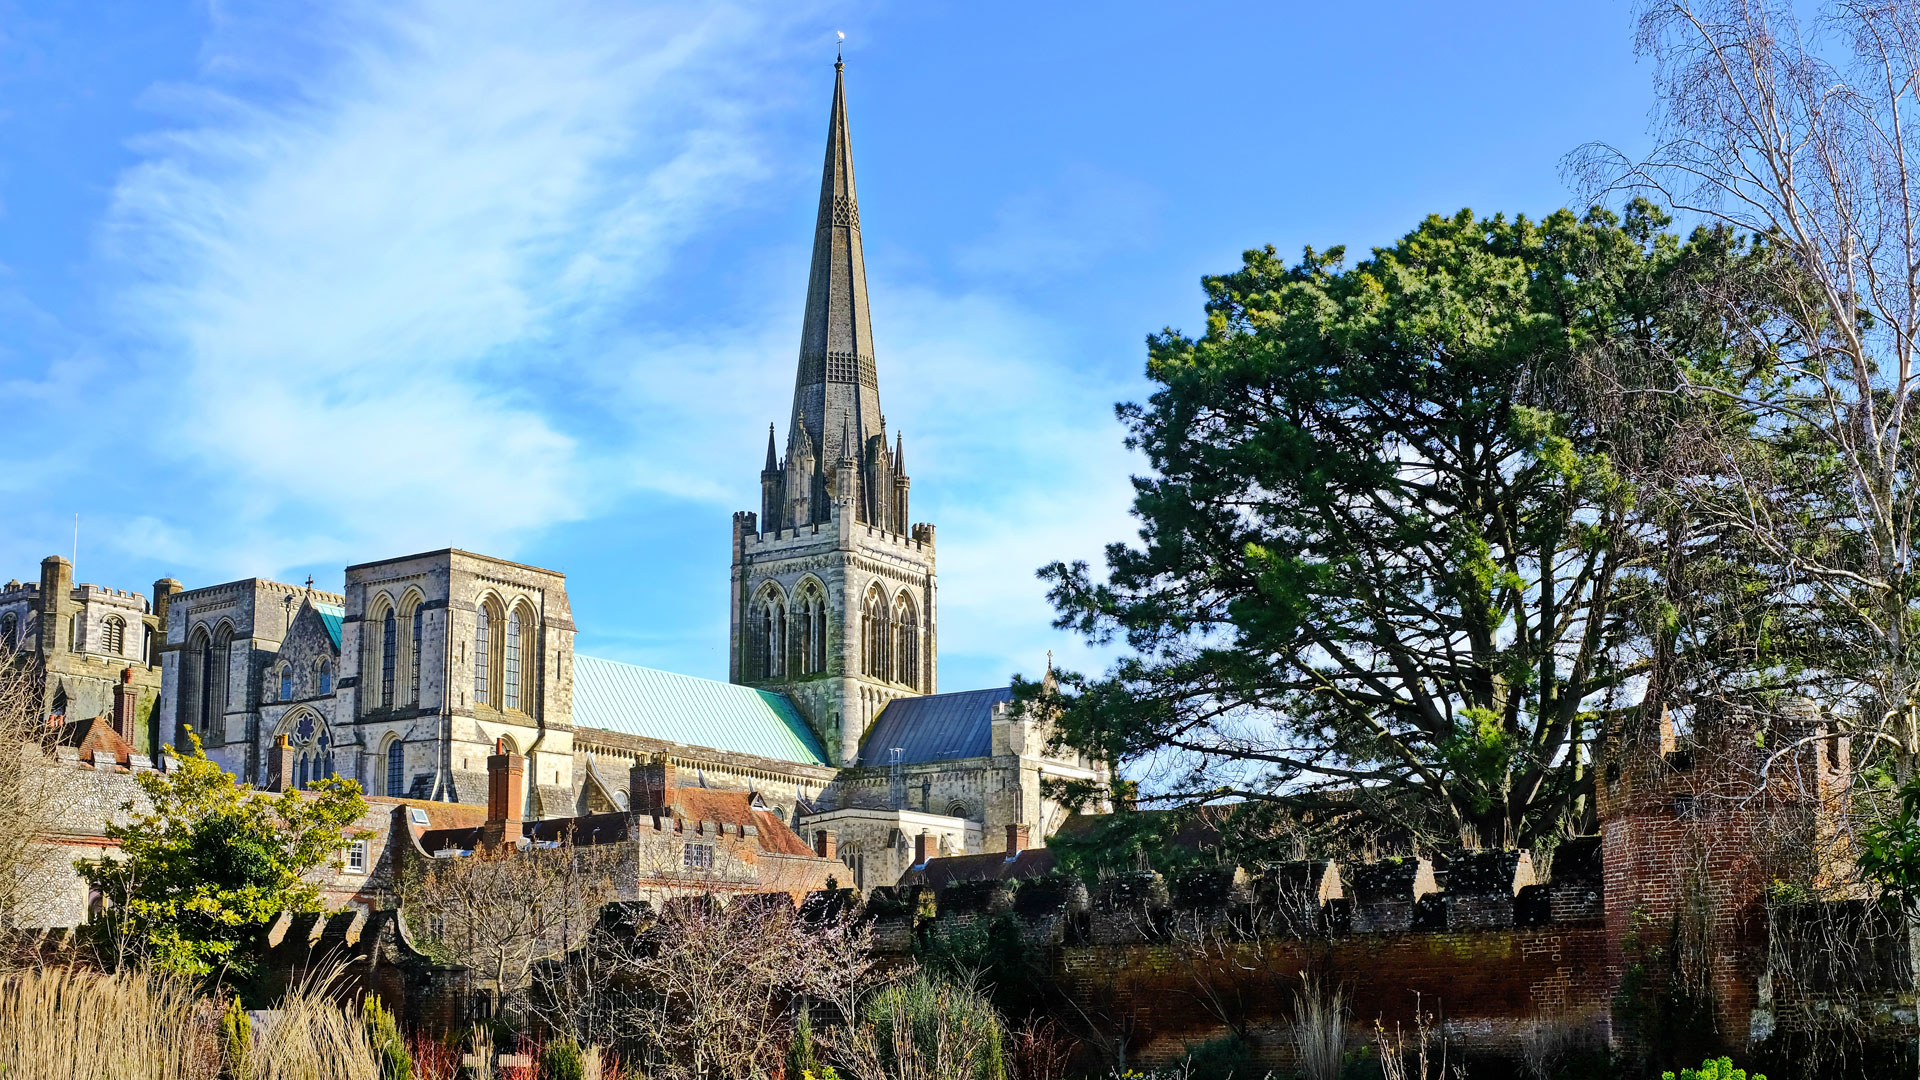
126,701
1016,838
826,844
925,846
506,794
650,786
280,765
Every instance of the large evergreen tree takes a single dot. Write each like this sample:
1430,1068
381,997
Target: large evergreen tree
1391,565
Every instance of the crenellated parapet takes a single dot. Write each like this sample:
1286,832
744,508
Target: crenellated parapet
1483,892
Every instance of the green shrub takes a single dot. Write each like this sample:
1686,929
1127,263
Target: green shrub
803,1057
950,1028
563,1060
1713,1069
236,1034
383,1031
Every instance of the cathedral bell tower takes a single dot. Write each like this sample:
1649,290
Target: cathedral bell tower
833,589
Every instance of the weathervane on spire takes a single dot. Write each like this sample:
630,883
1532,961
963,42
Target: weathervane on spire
840,41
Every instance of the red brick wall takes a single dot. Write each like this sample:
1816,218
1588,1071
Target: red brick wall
1486,985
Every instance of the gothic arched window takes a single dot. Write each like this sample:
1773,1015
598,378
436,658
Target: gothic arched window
803,633
482,640
767,635
286,682
326,676
773,635
389,655
510,661
809,644
9,631
413,654
875,635
906,642
396,769
195,696
115,643
312,743
73,632
215,693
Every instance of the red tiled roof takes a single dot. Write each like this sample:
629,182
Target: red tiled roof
98,739
453,825
736,808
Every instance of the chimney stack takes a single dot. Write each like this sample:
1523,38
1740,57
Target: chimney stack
826,844
506,793
56,598
125,706
280,765
163,594
1016,838
650,786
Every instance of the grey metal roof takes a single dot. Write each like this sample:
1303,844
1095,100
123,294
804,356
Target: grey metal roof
937,727
699,712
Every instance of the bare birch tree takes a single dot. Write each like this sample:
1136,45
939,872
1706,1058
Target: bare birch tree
501,912
1798,134
716,984
35,795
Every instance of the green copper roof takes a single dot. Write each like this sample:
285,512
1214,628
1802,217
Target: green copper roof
699,712
330,616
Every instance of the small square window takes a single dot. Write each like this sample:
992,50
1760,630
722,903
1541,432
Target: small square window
697,856
1685,807
357,857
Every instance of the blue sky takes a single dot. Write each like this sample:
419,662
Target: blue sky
285,287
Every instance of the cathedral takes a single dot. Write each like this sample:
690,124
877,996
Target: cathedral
428,664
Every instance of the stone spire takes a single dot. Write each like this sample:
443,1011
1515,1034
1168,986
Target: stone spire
838,388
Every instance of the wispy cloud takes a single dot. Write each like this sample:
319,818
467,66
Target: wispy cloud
393,276
355,251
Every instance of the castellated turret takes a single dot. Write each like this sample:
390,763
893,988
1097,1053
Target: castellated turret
834,594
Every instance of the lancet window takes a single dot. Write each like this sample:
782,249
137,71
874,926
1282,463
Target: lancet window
809,642
482,660
906,642
389,655
768,635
